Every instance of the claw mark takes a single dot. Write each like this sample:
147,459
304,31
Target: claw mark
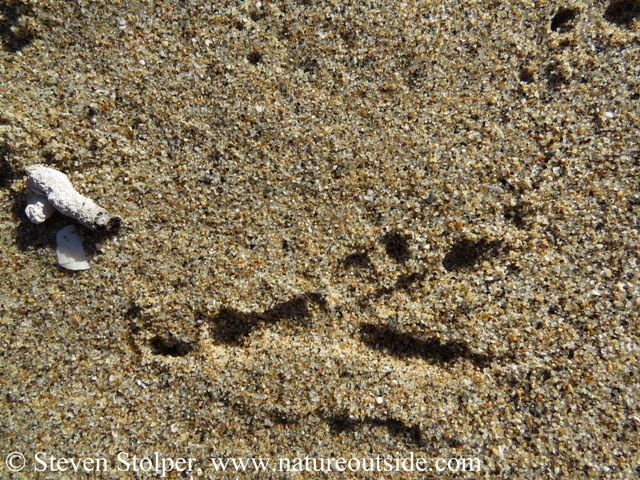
231,326
171,347
344,424
466,253
403,345
396,246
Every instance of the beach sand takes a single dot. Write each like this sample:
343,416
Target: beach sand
348,230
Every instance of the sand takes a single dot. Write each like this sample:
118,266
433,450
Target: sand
364,230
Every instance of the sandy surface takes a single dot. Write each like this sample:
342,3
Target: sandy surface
348,231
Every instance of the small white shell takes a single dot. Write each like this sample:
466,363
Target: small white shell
57,188
39,208
69,250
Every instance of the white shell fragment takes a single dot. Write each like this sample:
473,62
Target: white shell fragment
38,208
69,250
53,187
